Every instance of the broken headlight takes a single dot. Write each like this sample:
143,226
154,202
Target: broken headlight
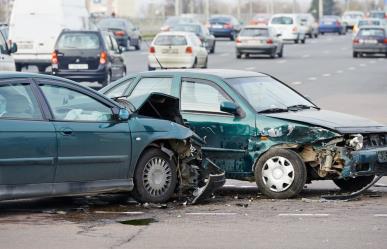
356,142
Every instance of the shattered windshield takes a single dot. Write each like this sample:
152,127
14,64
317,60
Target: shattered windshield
266,93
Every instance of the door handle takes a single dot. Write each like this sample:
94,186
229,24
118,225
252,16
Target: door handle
66,131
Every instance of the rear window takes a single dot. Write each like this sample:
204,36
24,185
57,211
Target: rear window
78,41
112,23
254,32
369,22
379,15
282,20
371,32
220,20
329,20
188,28
170,40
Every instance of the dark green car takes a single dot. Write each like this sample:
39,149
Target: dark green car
259,128
59,138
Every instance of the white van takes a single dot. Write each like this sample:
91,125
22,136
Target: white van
35,26
6,61
289,26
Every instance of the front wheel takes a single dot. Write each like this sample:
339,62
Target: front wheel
155,177
281,53
138,46
280,174
353,184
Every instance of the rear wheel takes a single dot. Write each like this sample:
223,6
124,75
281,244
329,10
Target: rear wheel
108,79
212,49
273,54
155,177
281,53
42,69
303,40
353,184
238,55
316,35
355,54
296,41
19,67
280,173
138,46
205,63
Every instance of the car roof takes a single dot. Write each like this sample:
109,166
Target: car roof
220,73
174,33
259,26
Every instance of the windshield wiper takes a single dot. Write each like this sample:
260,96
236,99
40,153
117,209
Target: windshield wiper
301,107
273,110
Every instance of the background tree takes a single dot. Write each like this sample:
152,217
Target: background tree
330,7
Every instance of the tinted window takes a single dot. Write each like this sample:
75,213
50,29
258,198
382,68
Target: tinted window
70,105
3,45
379,15
112,23
254,32
170,40
369,22
18,102
202,97
118,90
220,19
266,93
78,41
149,85
282,20
371,32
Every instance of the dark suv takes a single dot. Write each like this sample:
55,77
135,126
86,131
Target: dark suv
87,56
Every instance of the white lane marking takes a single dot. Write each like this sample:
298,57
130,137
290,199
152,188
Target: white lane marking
306,56
304,215
109,212
339,71
351,68
372,62
215,214
362,65
281,61
144,53
225,54
296,83
326,74
249,68
380,215
312,78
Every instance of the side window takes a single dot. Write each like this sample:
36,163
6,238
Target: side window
108,42
119,90
201,97
114,43
69,105
3,45
18,102
149,85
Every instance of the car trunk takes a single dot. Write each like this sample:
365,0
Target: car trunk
74,59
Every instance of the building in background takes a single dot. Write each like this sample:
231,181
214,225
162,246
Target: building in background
5,10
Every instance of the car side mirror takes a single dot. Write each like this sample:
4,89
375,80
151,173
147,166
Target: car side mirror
123,114
13,48
230,107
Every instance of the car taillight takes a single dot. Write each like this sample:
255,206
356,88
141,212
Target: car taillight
103,57
338,23
238,40
188,50
355,41
54,58
152,50
227,26
385,40
294,29
269,41
119,33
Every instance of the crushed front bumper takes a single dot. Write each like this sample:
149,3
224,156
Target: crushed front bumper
366,162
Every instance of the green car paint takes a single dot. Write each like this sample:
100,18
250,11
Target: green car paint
236,142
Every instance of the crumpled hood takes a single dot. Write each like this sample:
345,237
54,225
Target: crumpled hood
343,123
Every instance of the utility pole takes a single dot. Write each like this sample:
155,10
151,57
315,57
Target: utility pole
294,6
320,9
177,7
251,8
239,10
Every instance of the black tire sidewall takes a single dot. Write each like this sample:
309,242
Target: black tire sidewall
353,184
139,191
300,174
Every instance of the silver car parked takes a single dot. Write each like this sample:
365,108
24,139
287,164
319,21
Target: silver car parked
259,40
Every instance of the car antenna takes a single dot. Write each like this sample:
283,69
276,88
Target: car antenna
158,62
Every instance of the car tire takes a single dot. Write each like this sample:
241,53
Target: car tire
195,64
353,184
18,67
212,51
303,40
138,46
238,55
322,33
316,35
355,54
272,55
232,37
155,177
108,79
286,168
296,41
281,53
42,69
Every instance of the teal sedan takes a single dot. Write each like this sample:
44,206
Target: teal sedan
59,138
258,128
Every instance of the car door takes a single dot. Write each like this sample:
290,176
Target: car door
27,140
227,136
6,61
92,145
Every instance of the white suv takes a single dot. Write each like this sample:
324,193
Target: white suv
289,26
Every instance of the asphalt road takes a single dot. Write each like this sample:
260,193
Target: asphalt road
238,216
